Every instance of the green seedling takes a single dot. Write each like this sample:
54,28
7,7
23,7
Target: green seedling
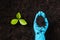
15,21
18,15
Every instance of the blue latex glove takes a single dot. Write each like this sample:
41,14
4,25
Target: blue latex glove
40,31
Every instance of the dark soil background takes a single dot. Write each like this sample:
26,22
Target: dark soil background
28,9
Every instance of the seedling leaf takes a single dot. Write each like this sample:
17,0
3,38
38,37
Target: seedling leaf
18,15
14,21
22,22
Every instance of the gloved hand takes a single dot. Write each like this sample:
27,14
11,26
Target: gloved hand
40,31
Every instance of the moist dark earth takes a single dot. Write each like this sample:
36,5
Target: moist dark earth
28,9
40,21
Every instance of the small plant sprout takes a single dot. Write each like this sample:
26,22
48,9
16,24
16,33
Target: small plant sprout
18,15
22,22
15,21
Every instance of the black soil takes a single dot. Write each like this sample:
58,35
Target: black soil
40,21
28,9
